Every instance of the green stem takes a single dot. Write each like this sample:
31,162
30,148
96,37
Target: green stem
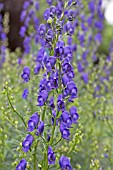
35,160
72,148
52,136
43,114
57,142
45,160
15,110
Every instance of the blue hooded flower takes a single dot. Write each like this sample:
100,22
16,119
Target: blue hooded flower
40,128
74,114
42,97
25,93
51,156
26,144
22,165
64,131
64,163
26,74
33,122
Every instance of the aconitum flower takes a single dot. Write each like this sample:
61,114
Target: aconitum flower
64,163
51,103
37,68
49,2
71,15
72,90
23,15
26,74
42,97
98,25
74,114
69,28
66,118
91,6
51,156
25,93
22,31
37,6
26,44
54,80
22,165
46,14
33,122
42,30
26,5
64,131
65,79
26,144
60,103
40,128
85,77
98,38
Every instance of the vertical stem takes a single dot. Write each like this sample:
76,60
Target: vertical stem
51,140
45,159
35,156
43,114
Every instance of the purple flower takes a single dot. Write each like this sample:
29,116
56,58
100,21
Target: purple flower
51,156
49,63
98,38
68,69
98,25
49,2
1,6
23,15
52,11
37,68
72,90
26,5
64,163
74,114
25,93
37,6
64,131
26,74
60,103
22,165
85,77
33,122
91,6
51,103
40,128
54,80
66,118
65,79
46,14
42,97
26,144
22,31
26,44
42,30
68,52
69,28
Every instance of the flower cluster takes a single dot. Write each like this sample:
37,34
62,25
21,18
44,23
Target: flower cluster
88,21
28,16
57,87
